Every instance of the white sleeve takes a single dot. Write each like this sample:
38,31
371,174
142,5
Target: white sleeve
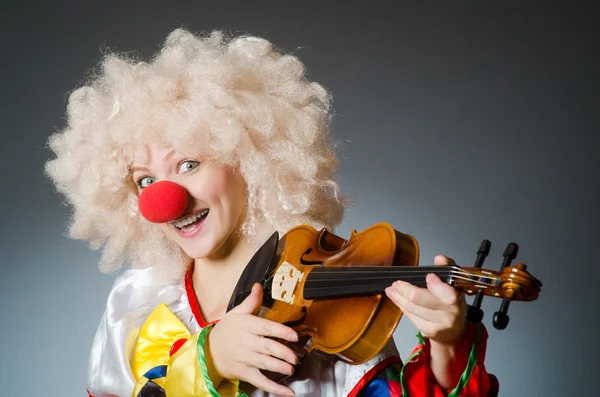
133,297
109,373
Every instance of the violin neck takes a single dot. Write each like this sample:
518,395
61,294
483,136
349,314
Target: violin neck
329,282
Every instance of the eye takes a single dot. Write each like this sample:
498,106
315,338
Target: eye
145,181
187,165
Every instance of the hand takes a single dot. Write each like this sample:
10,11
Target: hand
438,311
239,347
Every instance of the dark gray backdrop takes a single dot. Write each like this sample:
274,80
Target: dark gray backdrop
460,122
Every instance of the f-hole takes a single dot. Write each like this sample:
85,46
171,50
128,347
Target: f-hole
307,262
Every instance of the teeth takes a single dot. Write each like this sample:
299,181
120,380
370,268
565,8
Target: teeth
181,223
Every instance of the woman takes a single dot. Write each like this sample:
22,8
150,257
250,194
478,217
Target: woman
235,132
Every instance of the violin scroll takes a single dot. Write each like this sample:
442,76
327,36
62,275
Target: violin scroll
517,284
513,284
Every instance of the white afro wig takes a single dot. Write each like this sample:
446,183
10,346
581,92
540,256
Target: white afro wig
237,101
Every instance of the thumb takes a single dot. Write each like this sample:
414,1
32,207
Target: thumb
442,260
252,303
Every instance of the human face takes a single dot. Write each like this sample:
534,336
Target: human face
212,189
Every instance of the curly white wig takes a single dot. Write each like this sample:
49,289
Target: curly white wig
237,101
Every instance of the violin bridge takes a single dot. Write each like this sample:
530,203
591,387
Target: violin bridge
285,281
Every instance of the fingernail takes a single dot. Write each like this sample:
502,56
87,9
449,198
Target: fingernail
292,338
289,394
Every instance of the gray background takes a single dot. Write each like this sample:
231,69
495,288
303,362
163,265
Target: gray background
460,122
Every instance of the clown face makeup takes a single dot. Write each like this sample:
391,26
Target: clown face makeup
198,204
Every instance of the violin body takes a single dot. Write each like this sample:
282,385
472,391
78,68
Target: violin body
354,328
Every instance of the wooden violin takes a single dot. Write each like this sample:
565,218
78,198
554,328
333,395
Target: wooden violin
331,290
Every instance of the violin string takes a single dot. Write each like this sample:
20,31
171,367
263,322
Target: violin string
417,282
410,279
476,282
414,273
456,275
397,275
384,270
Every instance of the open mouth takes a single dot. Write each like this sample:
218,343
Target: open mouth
191,222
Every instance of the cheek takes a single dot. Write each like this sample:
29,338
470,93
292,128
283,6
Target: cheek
220,190
224,187
237,192
208,192
166,228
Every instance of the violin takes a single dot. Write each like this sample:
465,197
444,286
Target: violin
331,290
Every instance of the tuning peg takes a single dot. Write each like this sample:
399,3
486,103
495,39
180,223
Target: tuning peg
501,318
474,312
510,253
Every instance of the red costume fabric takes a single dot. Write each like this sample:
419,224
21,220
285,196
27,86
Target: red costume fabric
415,378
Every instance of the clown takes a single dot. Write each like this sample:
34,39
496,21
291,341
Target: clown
182,167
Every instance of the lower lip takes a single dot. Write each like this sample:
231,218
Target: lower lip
191,233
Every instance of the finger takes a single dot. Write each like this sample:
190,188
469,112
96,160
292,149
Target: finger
426,328
408,307
416,295
265,361
263,327
262,382
273,348
441,260
252,302
445,293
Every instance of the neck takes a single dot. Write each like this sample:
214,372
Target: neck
215,276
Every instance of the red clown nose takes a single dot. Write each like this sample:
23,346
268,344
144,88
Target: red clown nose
163,201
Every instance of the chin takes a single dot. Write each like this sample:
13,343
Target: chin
198,249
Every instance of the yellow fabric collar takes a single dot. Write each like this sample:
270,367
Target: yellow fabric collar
155,363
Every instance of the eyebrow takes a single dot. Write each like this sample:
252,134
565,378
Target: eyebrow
167,157
134,169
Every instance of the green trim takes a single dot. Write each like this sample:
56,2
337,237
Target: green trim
415,354
464,379
202,361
